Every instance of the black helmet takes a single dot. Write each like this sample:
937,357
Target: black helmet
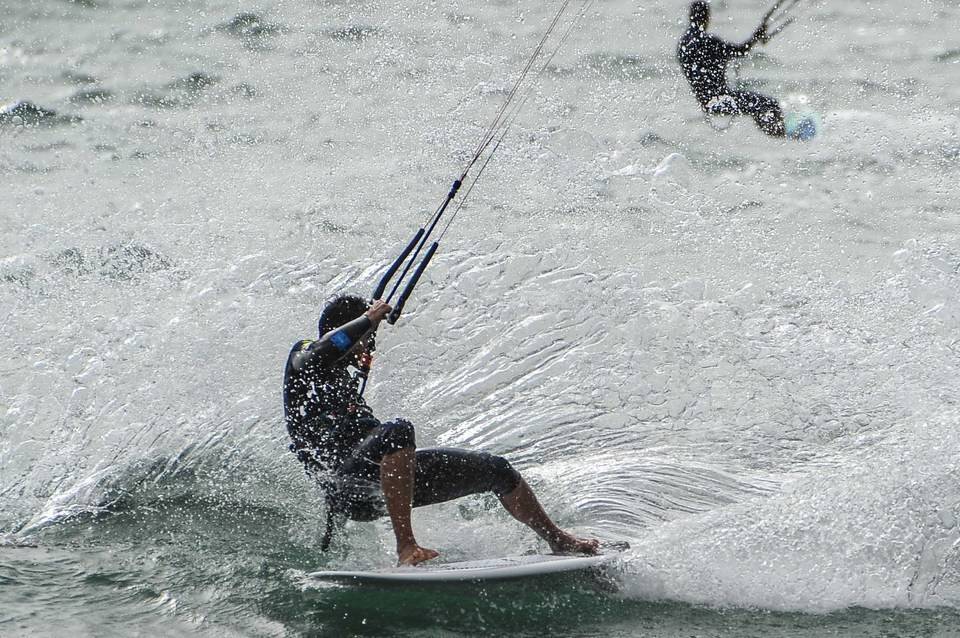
340,310
700,14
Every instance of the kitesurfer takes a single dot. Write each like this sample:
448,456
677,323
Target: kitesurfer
369,468
704,58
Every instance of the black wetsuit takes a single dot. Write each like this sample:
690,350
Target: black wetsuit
341,443
704,58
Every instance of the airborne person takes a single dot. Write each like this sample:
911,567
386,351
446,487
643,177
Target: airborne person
369,468
704,58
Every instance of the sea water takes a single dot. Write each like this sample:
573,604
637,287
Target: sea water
739,354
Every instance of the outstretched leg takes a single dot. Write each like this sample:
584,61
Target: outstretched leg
523,505
764,110
444,474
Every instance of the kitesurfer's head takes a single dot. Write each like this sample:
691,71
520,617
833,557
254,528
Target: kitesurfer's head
340,310
700,14
344,309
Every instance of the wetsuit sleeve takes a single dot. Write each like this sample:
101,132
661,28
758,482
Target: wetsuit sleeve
334,345
740,50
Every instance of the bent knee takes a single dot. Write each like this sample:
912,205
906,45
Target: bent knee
398,435
505,478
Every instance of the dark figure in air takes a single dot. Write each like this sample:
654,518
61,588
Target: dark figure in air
369,468
704,59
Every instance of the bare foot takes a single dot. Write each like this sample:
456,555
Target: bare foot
569,544
414,555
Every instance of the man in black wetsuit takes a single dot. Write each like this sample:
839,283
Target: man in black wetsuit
704,58
370,468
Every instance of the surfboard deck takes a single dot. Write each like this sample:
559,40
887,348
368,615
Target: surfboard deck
505,568
802,126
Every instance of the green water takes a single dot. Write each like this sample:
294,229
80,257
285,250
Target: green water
182,566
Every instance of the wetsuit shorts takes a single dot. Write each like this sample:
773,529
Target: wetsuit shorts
442,474
764,110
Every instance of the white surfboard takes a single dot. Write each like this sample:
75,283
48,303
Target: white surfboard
505,568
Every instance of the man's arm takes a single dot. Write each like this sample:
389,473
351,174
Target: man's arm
338,343
334,345
759,37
